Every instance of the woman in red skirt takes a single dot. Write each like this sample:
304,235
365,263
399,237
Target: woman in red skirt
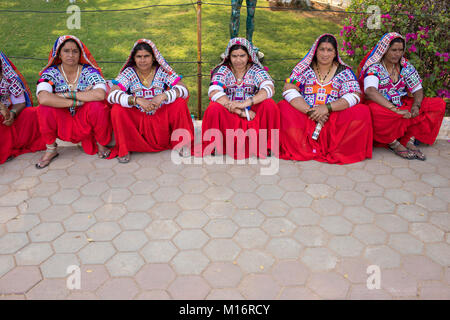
241,106
398,120
72,107
19,127
149,104
321,118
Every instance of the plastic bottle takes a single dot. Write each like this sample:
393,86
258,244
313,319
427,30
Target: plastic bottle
316,132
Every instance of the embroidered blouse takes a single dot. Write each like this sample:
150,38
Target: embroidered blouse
253,80
377,76
129,82
343,84
11,92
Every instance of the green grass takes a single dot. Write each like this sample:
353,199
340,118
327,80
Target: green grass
110,35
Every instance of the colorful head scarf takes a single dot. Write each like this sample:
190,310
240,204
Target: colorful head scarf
156,54
243,42
85,55
308,58
13,76
378,51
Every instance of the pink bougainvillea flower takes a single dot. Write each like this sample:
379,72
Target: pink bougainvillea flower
350,52
412,48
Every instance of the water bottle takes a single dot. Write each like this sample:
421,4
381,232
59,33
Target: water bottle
316,132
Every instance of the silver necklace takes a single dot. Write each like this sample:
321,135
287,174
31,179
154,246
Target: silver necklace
70,84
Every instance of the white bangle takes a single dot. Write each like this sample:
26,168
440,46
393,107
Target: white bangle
171,96
183,91
269,92
217,96
291,94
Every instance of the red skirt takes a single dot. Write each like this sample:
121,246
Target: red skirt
389,126
345,138
254,138
136,131
22,136
90,124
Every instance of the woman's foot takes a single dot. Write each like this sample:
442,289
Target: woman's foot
416,151
125,159
401,151
103,152
48,157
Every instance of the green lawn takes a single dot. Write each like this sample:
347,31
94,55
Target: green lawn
110,35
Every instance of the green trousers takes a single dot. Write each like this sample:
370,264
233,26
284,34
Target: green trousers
236,15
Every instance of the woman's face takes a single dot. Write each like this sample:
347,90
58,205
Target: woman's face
70,54
325,53
394,53
239,59
143,60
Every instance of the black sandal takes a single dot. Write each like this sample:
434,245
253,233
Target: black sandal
124,159
405,154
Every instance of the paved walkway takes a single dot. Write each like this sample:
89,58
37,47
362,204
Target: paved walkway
154,230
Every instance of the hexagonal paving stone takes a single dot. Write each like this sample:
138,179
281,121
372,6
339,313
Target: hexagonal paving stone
49,289
426,232
25,183
158,251
380,205
130,240
418,188
162,229
388,181
327,207
432,203
269,192
346,246
435,180
103,231
412,213
221,228
251,238
12,242
278,227
259,287
19,280
139,203
353,269
87,204
135,221
289,273
57,265
442,193
116,195
143,187
124,264
217,178
349,198
70,242
434,291
245,200
190,239
298,293
218,193
370,234
311,236
110,212
155,276
292,184
192,219
192,202
319,259
165,210
147,173
53,175
358,215
360,175
439,252
398,283
79,222
274,208
46,231
405,243
382,256
34,205
73,181
118,289
190,262
336,225
369,189
121,181
297,199
253,261
8,213
166,194
223,274
96,253
313,176
284,248
22,223
6,264
329,285
169,180
193,186
222,250
33,254
189,288
13,198
220,210
94,188
399,196
340,183
303,216
421,267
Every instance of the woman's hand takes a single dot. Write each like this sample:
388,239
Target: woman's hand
158,100
415,110
147,105
318,113
236,107
405,113
8,117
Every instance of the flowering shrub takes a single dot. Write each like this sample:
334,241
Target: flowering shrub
423,23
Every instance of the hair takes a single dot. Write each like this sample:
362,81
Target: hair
398,40
64,43
142,46
329,39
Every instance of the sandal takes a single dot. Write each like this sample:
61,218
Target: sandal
405,154
44,163
416,151
124,159
184,152
103,154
